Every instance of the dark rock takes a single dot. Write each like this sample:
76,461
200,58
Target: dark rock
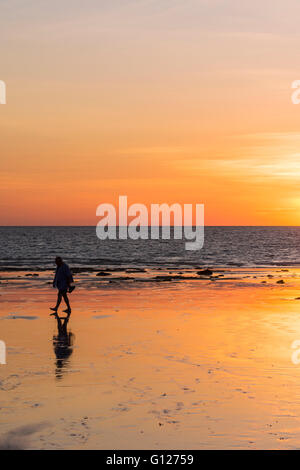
280,282
205,272
164,278
103,273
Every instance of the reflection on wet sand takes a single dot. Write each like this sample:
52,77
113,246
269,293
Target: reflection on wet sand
201,365
62,345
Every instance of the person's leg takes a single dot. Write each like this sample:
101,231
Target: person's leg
59,296
66,300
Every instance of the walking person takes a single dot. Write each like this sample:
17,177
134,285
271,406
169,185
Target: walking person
62,281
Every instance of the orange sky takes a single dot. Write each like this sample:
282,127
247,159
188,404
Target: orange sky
162,101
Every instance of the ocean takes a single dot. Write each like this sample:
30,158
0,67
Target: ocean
28,248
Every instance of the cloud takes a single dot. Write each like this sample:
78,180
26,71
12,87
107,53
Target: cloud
278,168
261,156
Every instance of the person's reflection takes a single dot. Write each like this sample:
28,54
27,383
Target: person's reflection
62,344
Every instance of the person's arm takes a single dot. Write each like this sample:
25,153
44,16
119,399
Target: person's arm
68,276
54,280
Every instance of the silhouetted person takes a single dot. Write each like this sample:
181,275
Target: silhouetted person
62,280
62,344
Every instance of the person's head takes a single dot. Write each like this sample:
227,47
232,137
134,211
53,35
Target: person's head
58,261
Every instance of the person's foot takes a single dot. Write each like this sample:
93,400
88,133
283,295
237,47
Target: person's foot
54,309
68,311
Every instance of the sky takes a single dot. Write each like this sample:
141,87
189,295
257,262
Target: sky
165,101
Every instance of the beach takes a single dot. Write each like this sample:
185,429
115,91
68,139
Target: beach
152,363
150,174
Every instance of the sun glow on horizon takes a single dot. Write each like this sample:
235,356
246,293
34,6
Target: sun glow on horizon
197,110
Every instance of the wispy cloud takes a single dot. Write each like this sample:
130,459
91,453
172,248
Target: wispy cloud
262,156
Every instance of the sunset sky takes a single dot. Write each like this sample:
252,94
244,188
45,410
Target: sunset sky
184,101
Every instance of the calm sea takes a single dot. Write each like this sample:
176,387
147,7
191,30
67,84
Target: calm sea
36,248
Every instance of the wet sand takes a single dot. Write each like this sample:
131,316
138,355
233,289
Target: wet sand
190,364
